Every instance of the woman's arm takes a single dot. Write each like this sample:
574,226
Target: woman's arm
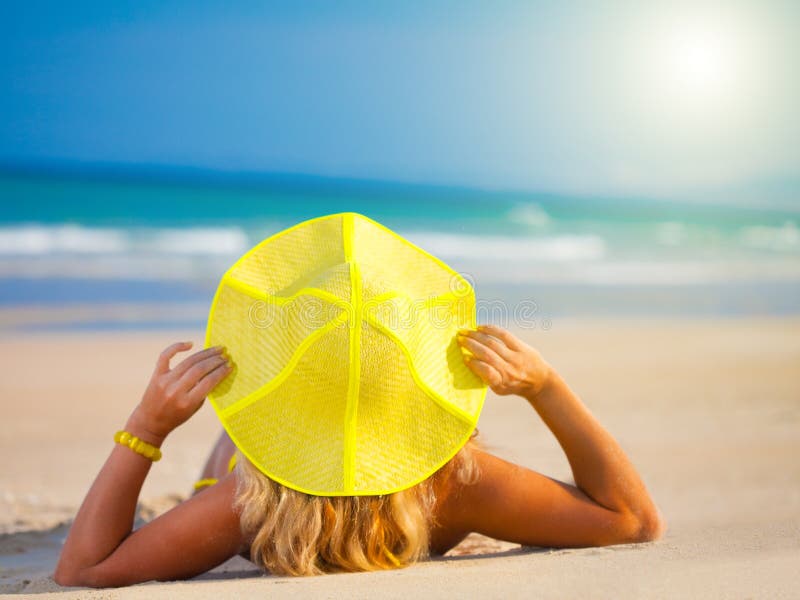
610,503
101,548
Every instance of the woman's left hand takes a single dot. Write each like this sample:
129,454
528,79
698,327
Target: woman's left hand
174,395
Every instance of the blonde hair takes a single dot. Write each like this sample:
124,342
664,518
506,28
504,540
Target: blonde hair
294,533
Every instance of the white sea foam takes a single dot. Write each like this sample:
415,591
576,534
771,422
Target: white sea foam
52,240
785,238
42,240
671,233
202,254
637,272
556,248
222,241
529,213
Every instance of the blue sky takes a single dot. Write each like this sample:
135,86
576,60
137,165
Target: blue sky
589,98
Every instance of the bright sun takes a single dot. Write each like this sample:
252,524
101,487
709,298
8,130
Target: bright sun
697,64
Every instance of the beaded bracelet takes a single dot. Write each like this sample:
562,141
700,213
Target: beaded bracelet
137,445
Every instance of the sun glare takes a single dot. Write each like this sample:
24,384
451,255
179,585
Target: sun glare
697,64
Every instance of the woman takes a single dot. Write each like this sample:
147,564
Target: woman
290,532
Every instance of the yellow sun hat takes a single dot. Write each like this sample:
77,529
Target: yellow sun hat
347,378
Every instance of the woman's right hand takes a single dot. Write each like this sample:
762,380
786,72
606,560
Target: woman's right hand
102,549
504,362
175,394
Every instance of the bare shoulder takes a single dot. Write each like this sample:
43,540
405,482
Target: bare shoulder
517,504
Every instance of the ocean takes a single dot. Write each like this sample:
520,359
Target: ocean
115,249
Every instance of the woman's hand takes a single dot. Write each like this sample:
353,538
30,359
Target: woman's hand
174,395
101,548
609,503
504,362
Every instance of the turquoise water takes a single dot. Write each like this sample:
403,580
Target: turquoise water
73,238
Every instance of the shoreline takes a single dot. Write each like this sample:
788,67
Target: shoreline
530,306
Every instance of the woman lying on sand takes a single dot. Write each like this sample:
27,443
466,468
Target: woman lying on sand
288,531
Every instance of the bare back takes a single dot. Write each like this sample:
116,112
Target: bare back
507,502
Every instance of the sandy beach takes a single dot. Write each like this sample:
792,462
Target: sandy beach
708,410
621,177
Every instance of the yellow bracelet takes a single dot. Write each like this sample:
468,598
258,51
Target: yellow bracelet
137,445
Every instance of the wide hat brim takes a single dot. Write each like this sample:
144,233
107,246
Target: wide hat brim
347,376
